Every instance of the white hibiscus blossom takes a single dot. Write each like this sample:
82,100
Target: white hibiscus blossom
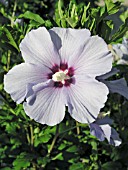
60,69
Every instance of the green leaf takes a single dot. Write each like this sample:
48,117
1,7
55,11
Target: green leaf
112,7
72,149
71,22
60,9
48,23
36,130
111,166
15,142
124,16
58,157
95,12
43,161
22,161
62,146
72,18
34,23
60,18
106,29
84,15
42,137
77,166
120,33
9,37
103,11
32,16
92,24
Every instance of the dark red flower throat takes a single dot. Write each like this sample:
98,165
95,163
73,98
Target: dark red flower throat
61,75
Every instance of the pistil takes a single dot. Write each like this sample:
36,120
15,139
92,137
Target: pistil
60,76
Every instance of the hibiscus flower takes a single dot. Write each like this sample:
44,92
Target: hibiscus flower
101,129
60,69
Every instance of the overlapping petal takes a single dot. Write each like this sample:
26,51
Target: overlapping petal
38,48
118,86
106,130
97,131
101,129
95,59
49,106
115,86
85,99
32,90
114,71
69,42
111,135
115,140
22,75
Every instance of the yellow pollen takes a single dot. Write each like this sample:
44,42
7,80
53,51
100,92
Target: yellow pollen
60,76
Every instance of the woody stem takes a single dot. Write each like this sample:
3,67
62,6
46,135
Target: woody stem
54,139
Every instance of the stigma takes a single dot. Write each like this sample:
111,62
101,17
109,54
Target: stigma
60,76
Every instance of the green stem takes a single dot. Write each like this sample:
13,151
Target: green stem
8,60
32,137
54,139
13,13
68,129
77,128
27,135
78,125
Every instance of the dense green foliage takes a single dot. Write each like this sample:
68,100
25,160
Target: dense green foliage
25,144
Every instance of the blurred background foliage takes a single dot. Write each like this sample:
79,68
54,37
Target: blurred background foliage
25,144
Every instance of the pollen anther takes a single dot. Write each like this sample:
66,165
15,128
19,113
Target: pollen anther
60,76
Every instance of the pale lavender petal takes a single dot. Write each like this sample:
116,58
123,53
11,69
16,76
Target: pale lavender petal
101,129
123,61
118,86
109,74
85,99
105,120
125,42
107,131
49,106
95,59
38,48
115,140
121,50
17,79
124,49
111,135
117,49
96,131
72,42
32,90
